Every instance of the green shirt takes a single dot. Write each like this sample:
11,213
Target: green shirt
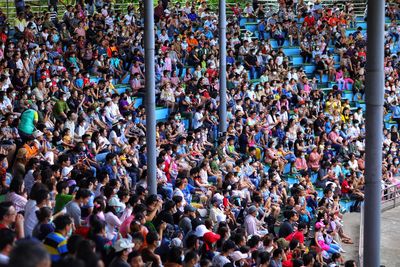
60,107
27,122
61,201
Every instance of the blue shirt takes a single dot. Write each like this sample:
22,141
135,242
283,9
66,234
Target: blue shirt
108,168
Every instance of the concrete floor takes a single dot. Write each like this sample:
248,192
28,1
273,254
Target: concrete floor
390,237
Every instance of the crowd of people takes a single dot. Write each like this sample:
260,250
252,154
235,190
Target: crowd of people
73,146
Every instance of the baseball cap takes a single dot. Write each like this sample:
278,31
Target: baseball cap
319,225
282,243
237,256
252,209
37,133
122,244
189,208
66,170
211,237
201,230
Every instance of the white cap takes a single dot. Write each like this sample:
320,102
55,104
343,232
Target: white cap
201,230
66,171
237,256
37,133
122,244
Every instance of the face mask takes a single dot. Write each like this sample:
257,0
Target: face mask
69,232
396,162
158,243
118,209
114,162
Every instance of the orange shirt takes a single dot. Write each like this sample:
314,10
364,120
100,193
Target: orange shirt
32,151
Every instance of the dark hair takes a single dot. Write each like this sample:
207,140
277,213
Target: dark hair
133,255
308,258
110,156
61,186
174,255
190,255
7,237
350,263
277,252
41,195
73,242
263,257
70,261
43,213
191,241
28,254
16,185
62,221
151,237
83,193
4,208
85,252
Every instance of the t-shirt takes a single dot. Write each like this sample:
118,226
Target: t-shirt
286,229
60,107
61,201
31,219
298,235
56,244
118,262
220,261
74,211
26,123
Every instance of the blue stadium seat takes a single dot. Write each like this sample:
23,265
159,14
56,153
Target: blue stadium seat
126,80
162,113
389,125
309,69
346,204
347,94
314,177
138,102
94,79
251,26
287,168
297,60
291,51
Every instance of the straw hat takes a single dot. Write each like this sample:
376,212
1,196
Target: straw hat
21,153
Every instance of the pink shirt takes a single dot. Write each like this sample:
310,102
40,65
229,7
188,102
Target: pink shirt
301,164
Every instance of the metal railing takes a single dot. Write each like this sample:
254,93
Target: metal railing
390,199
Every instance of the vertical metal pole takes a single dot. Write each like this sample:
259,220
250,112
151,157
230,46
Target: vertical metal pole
222,67
150,100
373,160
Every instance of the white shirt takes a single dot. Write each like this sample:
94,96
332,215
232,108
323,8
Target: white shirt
30,217
250,225
197,122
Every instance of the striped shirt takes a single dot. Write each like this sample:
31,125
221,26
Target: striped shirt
56,244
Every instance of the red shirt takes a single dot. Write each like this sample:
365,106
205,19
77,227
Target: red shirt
298,235
309,20
345,187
